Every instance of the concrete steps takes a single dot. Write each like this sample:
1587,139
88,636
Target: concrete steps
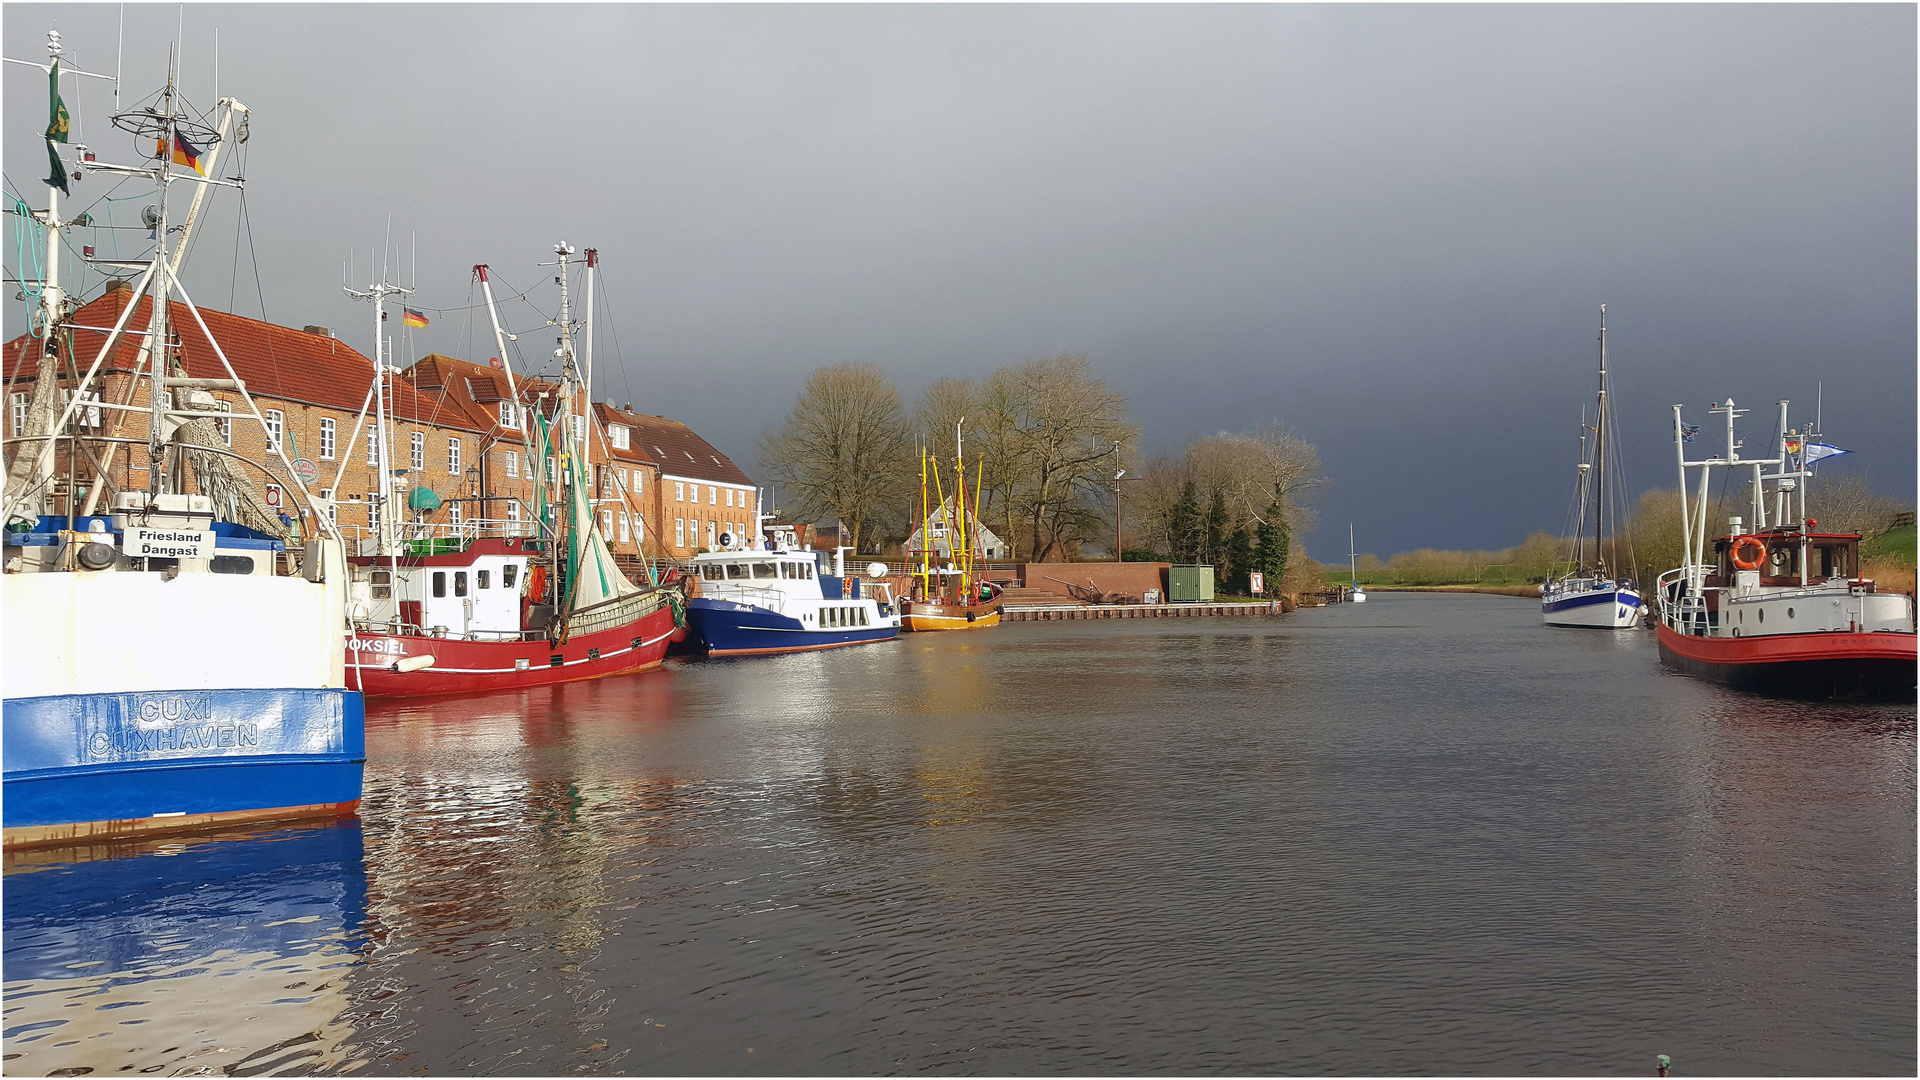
1028,598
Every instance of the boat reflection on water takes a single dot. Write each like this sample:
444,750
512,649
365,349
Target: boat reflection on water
224,955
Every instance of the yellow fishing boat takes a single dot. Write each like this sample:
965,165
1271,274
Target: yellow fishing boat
952,595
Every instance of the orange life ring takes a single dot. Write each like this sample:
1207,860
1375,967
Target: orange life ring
1748,543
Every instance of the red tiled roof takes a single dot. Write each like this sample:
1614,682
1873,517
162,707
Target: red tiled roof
470,390
679,452
273,361
607,414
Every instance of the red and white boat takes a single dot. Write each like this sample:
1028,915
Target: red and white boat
1779,607
452,610
482,619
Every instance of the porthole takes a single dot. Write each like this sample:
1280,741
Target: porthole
1762,613
1789,613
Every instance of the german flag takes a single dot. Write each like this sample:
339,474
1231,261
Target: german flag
410,317
184,153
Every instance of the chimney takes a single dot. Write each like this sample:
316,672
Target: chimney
119,285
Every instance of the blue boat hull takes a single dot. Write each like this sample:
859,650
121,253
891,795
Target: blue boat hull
82,767
724,628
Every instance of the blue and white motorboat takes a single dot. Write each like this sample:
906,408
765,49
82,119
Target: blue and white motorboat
1591,595
171,664
755,602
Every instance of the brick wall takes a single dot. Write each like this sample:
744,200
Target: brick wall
1134,578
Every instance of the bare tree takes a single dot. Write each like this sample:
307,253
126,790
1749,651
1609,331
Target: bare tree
844,448
1065,423
945,403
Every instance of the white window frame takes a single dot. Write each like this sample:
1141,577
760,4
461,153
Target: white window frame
453,455
509,417
729,498
373,444
553,472
639,528
680,532
513,515
276,428
606,525
679,491
513,464
454,514
417,451
711,529
626,528
713,498
328,430
333,508
17,410
224,422
617,435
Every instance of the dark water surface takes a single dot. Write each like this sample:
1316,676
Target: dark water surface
1424,834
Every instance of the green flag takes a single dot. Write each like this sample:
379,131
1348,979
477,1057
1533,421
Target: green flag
56,109
58,178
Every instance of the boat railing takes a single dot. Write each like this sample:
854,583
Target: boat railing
444,633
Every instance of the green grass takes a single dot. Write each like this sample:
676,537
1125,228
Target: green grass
1500,574
1894,546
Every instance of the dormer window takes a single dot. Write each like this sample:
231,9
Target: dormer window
509,416
617,435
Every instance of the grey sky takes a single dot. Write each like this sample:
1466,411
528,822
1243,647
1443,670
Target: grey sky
1389,228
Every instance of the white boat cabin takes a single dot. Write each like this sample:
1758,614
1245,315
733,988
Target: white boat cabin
475,596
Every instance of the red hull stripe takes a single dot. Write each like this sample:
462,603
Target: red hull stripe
1792,648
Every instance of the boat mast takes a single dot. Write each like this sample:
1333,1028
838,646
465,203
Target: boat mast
1600,454
381,499
1353,560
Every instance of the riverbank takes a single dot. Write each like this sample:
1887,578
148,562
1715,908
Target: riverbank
1532,591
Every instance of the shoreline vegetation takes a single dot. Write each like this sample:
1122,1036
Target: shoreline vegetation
1648,545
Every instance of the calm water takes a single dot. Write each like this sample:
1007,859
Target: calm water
1424,834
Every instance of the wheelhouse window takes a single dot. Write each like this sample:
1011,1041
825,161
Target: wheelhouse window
382,582
737,572
481,578
509,574
712,572
439,583
459,583
765,571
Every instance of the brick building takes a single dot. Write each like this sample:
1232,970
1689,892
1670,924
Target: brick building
661,492
309,386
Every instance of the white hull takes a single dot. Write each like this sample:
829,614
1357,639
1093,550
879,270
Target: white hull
1603,607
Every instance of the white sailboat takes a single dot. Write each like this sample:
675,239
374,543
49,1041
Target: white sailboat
1591,595
1355,594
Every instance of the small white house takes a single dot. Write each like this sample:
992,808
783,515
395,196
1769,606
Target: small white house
935,531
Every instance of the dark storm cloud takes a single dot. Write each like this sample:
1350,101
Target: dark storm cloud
1389,228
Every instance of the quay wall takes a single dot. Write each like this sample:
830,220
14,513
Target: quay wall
1135,611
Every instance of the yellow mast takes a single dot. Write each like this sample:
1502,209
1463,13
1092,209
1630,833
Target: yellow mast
944,517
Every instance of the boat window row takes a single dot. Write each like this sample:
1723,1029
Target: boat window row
841,617
756,571
482,579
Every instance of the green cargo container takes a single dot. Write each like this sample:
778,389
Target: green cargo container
1189,584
